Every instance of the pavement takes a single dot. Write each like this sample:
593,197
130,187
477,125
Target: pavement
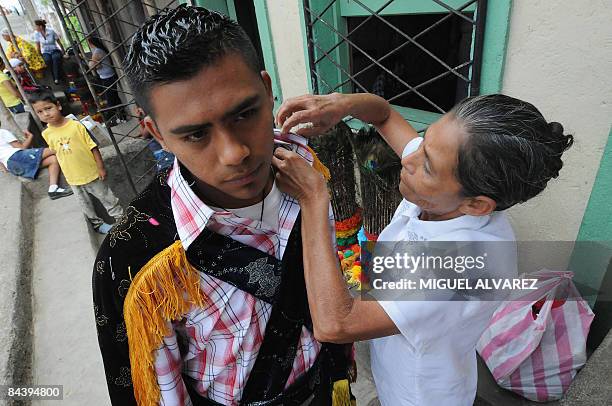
65,344
15,287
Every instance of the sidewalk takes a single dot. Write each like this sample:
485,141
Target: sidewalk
65,345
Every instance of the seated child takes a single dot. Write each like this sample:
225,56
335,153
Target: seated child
25,80
9,93
21,160
163,158
79,158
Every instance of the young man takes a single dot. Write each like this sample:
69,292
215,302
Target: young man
199,291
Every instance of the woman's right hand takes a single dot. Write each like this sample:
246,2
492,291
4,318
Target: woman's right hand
323,112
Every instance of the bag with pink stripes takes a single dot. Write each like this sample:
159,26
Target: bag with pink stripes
535,343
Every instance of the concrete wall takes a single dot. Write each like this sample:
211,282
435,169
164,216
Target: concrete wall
289,46
559,57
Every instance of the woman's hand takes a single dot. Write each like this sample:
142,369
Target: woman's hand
323,112
298,179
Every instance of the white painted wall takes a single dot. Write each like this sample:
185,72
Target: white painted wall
560,59
289,46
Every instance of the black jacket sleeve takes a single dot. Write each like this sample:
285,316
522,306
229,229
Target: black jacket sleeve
110,285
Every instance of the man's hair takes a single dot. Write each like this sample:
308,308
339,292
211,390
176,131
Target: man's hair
176,44
42,95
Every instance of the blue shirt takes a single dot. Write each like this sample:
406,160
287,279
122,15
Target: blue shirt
48,41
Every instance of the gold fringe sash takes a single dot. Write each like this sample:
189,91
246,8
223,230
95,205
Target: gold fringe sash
318,165
341,395
164,290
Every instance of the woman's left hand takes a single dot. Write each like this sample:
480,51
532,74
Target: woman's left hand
298,179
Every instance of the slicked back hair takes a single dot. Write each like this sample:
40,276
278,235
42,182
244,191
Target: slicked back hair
176,44
511,151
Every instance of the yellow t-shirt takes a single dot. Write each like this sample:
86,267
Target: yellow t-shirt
72,145
8,98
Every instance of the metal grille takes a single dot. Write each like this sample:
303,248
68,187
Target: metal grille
115,22
361,46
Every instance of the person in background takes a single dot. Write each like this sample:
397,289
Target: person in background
25,79
101,63
9,93
486,155
79,158
50,46
163,158
19,159
26,52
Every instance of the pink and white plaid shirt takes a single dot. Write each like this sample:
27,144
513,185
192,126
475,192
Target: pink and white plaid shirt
223,339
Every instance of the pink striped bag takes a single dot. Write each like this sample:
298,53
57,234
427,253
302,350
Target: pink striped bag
535,343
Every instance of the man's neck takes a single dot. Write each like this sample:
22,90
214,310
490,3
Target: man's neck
204,193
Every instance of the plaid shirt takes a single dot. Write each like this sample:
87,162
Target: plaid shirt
223,339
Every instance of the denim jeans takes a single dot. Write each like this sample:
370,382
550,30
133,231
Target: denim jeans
54,59
17,109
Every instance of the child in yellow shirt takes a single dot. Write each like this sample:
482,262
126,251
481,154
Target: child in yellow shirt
79,158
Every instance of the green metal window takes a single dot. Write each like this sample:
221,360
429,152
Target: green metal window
253,17
423,56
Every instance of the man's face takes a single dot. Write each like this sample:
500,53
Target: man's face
219,124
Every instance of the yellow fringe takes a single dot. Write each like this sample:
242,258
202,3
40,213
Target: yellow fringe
318,165
164,289
341,396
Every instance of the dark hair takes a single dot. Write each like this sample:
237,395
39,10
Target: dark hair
511,151
41,23
98,43
42,95
177,43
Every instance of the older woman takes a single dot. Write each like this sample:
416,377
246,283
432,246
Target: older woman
484,156
50,45
25,51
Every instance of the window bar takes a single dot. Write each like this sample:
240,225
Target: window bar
452,10
481,12
311,64
356,28
425,31
341,68
418,45
428,81
322,80
318,17
76,6
383,67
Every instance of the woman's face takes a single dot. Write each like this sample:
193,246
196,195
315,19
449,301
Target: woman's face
40,28
428,175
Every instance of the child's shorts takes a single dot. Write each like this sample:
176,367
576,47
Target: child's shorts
25,162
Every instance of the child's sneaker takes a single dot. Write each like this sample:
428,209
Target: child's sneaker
59,193
104,228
